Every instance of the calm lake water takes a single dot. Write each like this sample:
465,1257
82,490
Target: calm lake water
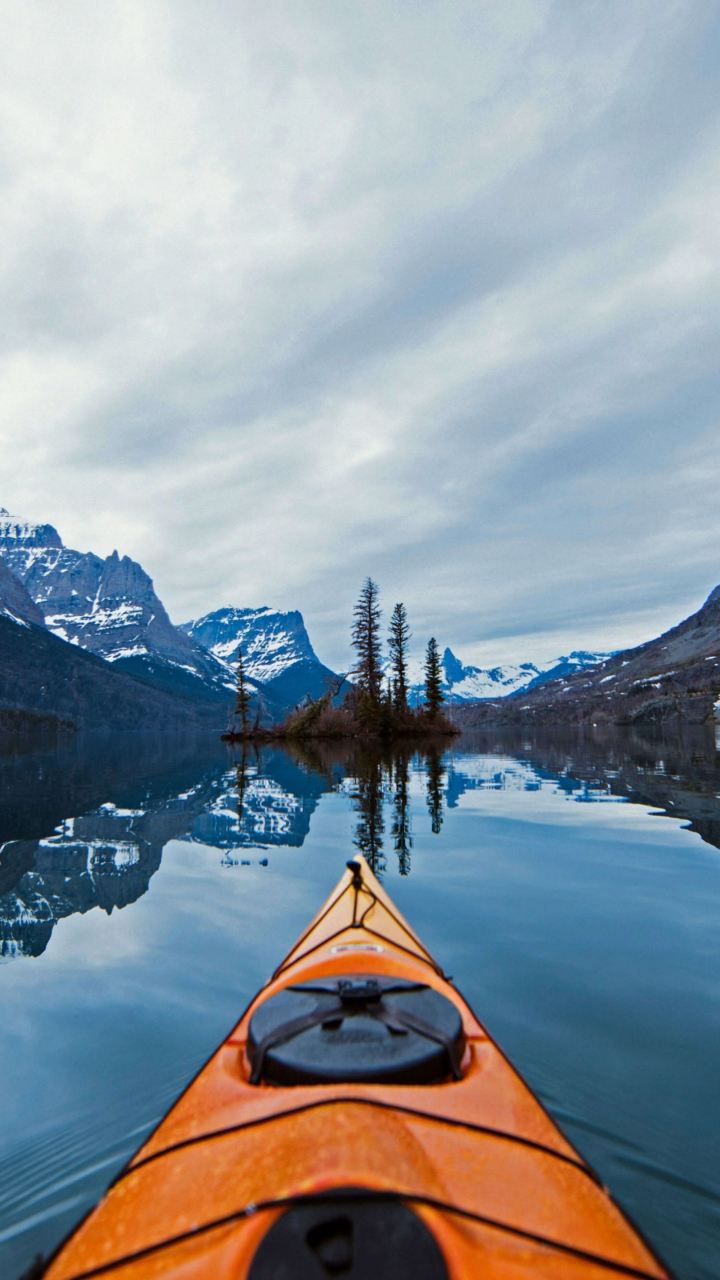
570,885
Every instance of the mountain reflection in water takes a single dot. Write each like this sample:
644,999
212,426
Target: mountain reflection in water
141,794
85,825
679,775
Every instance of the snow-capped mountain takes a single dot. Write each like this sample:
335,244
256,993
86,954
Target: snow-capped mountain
271,641
468,684
276,649
108,607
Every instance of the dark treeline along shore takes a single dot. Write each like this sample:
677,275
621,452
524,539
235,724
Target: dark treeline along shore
374,704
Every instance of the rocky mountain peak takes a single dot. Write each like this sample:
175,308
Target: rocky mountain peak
453,667
19,533
271,640
107,606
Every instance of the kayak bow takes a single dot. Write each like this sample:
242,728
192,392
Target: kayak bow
358,1122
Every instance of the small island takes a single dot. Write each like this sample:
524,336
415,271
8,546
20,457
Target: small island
375,703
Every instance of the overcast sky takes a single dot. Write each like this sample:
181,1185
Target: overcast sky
297,292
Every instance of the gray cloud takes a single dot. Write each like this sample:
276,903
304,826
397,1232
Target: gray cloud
296,293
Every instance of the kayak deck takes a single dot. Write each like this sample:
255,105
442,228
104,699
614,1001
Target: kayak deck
478,1160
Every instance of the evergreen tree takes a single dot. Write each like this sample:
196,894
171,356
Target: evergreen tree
365,711
242,697
399,635
385,710
366,641
434,696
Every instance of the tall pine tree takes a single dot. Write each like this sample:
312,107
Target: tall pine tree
366,641
242,697
399,635
434,696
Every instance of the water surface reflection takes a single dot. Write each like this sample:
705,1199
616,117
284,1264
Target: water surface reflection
75,849
147,887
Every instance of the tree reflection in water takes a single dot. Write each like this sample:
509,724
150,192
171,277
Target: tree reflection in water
434,788
368,796
241,776
242,781
380,774
401,827
84,824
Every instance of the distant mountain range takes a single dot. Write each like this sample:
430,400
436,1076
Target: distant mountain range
86,642
675,677
73,604
468,684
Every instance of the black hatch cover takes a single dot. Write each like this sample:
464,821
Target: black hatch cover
356,1029
349,1235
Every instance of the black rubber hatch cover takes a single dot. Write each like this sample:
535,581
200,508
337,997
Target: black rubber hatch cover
353,1237
356,1029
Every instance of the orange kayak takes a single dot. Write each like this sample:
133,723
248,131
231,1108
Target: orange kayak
358,1122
